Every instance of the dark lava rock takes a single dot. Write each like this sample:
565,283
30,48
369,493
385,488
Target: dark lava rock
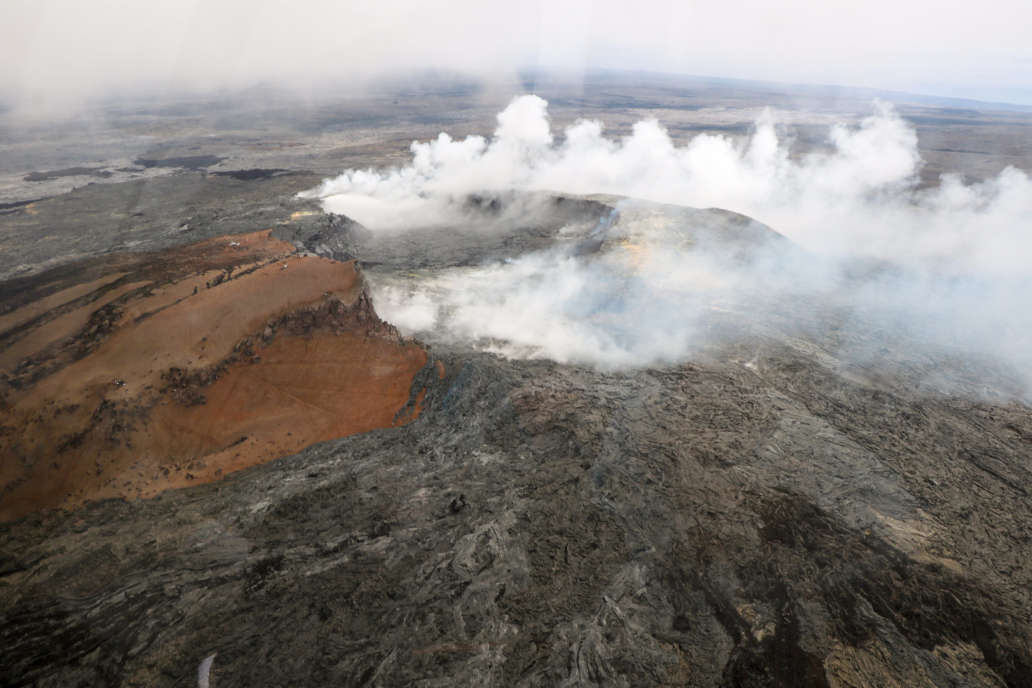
67,172
252,174
5,207
190,162
144,215
330,236
778,523
691,525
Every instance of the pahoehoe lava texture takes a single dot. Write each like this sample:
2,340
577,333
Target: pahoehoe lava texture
541,525
779,523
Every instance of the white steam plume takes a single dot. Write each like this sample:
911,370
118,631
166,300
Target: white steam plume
964,248
861,197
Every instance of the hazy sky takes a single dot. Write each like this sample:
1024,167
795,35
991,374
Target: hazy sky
55,53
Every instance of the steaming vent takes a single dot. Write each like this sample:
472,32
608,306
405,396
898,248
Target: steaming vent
639,252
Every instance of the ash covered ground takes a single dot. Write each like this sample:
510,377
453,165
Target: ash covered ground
627,442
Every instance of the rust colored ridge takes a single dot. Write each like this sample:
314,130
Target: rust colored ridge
61,328
222,253
201,330
197,375
48,303
59,316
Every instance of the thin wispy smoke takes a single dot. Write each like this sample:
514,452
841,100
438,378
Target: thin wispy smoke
946,265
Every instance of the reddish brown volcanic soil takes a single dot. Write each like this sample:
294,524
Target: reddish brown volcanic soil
136,374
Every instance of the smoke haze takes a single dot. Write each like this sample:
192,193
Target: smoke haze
943,267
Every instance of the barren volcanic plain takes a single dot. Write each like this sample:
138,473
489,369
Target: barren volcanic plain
214,441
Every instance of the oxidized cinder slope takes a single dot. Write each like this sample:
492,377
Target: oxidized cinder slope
181,366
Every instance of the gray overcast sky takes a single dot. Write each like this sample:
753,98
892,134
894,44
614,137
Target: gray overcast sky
56,53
